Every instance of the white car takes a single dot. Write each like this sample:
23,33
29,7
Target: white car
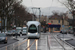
24,30
63,31
18,30
9,32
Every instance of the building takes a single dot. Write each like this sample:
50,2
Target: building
57,23
43,20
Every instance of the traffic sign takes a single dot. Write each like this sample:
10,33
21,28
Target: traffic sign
63,26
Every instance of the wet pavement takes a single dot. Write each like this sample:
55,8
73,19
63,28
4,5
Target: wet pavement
47,41
28,44
10,41
71,41
57,44
68,38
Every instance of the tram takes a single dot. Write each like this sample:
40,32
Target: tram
34,29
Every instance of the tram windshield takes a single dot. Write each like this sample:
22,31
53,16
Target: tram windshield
32,29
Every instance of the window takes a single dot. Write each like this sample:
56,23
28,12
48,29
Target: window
51,21
32,29
58,21
56,29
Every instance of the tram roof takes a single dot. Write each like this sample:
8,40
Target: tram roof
33,22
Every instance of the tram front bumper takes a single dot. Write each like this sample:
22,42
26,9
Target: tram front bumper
33,36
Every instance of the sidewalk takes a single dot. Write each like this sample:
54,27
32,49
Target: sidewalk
68,38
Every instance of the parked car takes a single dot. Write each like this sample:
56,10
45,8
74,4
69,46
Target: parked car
24,30
4,32
70,31
18,30
9,33
63,31
13,32
3,38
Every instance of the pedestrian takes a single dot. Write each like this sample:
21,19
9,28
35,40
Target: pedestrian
44,29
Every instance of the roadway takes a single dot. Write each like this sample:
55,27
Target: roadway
47,41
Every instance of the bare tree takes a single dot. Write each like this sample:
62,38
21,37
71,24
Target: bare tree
55,12
21,14
6,8
68,3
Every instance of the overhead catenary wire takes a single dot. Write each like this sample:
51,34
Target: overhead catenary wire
33,6
51,5
33,10
50,9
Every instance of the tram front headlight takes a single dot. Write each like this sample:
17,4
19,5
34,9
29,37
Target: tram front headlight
36,33
28,33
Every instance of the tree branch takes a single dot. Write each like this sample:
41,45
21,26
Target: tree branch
65,5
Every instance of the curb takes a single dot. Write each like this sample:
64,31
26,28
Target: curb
66,42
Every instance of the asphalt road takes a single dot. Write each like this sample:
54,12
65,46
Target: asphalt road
28,44
71,41
69,38
45,42
10,41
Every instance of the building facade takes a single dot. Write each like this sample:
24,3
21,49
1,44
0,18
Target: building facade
58,23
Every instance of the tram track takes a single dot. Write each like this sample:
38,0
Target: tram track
56,40
59,42
48,43
34,41
31,44
28,44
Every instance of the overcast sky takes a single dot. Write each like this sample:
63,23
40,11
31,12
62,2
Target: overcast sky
42,3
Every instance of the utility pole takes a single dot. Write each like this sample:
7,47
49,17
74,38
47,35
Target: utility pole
39,12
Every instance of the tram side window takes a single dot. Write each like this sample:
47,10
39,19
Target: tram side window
32,29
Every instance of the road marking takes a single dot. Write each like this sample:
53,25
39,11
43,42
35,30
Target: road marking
36,44
28,44
6,47
21,43
28,47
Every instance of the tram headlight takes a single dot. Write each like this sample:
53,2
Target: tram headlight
28,33
36,33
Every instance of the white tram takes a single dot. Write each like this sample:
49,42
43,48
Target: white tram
34,29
